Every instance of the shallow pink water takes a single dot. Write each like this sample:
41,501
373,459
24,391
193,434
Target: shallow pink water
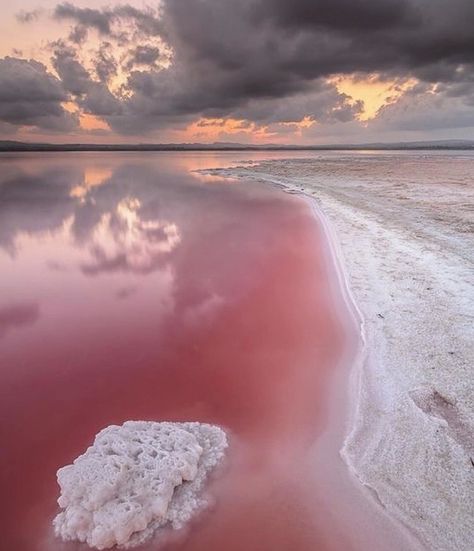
134,290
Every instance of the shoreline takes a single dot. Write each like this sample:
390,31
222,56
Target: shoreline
334,477
408,439
364,504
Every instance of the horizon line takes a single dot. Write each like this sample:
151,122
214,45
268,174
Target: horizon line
12,146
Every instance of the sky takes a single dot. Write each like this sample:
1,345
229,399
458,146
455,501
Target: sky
248,71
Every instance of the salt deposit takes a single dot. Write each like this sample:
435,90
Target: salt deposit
134,479
404,224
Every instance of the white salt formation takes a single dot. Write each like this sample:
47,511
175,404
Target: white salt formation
134,479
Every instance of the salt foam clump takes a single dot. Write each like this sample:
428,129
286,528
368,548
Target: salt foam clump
134,479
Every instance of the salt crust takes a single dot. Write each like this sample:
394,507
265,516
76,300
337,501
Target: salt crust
134,479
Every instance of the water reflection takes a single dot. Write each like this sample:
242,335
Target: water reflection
122,240
162,296
132,216
93,176
111,217
125,292
17,315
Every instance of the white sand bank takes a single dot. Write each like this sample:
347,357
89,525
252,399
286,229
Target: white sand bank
405,225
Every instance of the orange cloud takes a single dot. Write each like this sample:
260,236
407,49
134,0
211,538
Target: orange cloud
372,90
221,129
91,122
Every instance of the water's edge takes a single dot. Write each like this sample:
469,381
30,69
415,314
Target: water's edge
343,427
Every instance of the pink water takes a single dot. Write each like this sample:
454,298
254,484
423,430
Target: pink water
131,289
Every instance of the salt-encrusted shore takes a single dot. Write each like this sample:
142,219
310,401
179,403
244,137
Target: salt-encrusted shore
405,227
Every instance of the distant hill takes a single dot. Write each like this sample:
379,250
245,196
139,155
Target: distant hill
11,146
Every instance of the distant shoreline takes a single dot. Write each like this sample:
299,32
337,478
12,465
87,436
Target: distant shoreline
12,147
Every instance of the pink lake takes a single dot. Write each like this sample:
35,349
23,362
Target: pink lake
132,288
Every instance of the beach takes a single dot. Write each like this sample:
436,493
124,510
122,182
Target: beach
403,225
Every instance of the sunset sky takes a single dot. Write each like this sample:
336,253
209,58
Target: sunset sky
257,71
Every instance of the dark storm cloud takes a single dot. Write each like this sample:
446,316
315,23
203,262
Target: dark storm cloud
309,38
323,103
449,107
105,63
145,20
31,96
235,59
94,97
143,55
100,101
86,17
266,60
344,15
73,75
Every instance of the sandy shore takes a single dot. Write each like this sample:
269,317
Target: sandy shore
404,224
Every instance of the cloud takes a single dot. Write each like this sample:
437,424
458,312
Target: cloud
29,16
344,15
257,54
87,17
73,75
144,21
78,34
264,61
304,40
323,103
374,34
425,109
92,96
31,96
143,55
105,63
